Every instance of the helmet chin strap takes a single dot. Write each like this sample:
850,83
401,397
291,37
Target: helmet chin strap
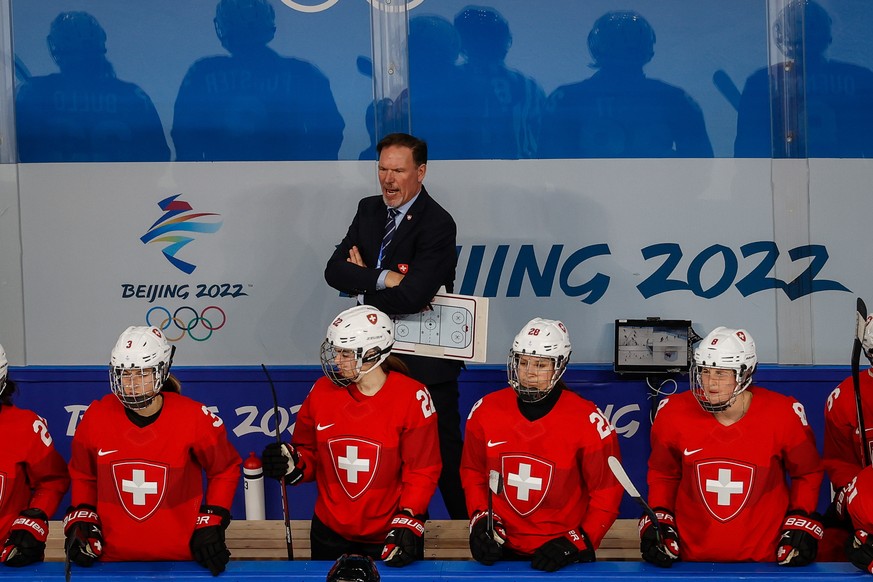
378,358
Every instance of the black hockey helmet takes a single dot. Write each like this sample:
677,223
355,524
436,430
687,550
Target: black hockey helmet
353,568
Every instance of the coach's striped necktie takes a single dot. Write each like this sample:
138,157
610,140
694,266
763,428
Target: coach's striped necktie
390,228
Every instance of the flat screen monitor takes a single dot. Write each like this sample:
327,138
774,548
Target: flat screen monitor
652,346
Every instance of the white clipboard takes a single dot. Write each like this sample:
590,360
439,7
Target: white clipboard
456,327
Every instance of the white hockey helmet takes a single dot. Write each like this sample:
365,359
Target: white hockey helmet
541,338
363,332
724,348
4,370
139,349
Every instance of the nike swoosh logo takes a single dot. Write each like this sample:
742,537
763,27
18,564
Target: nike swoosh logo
689,453
325,427
102,453
497,444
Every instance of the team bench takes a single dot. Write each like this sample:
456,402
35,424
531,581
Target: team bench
444,540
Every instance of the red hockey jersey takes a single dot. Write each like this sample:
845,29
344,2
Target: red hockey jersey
147,483
859,500
32,472
728,485
369,455
555,472
842,444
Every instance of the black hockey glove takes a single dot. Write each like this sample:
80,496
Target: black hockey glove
801,533
668,551
486,549
574,546
84,533
837,515
405,542
283,461
26,542
859,550
207,542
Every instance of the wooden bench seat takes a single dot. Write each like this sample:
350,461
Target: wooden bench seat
444,540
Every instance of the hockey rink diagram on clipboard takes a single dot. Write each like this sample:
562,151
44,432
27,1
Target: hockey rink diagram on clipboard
446,326
455,327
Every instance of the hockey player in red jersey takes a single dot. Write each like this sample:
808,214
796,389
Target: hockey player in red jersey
559,497
843,450
367,434
138,460
722,457
854,503
33,478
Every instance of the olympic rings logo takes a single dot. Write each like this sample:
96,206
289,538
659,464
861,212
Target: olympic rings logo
194,322
384,5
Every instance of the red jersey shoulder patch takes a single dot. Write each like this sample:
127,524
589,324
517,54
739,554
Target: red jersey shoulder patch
141,486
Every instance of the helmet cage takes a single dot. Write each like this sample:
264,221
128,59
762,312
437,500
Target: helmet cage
131,387
539,338
330,355
723,349
362,336
743,378
140,352
533,394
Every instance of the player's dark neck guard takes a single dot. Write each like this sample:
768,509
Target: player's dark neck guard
536,410
142,421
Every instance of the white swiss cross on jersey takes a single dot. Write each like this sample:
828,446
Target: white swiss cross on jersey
140,486
355,461
2,488
725,487
526,481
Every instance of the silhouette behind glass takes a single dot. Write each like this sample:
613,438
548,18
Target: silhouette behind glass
837,97
254,104
618,112
85,113
438,98
504,105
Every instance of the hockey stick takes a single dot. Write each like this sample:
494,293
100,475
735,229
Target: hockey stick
495,487
282,486
628,485
860,325
77,538
67,545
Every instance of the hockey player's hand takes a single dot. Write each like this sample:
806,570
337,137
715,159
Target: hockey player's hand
486,549
574,546
207,542
283,461
801,533
859,550
26,542
84,533
405,542
665,553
